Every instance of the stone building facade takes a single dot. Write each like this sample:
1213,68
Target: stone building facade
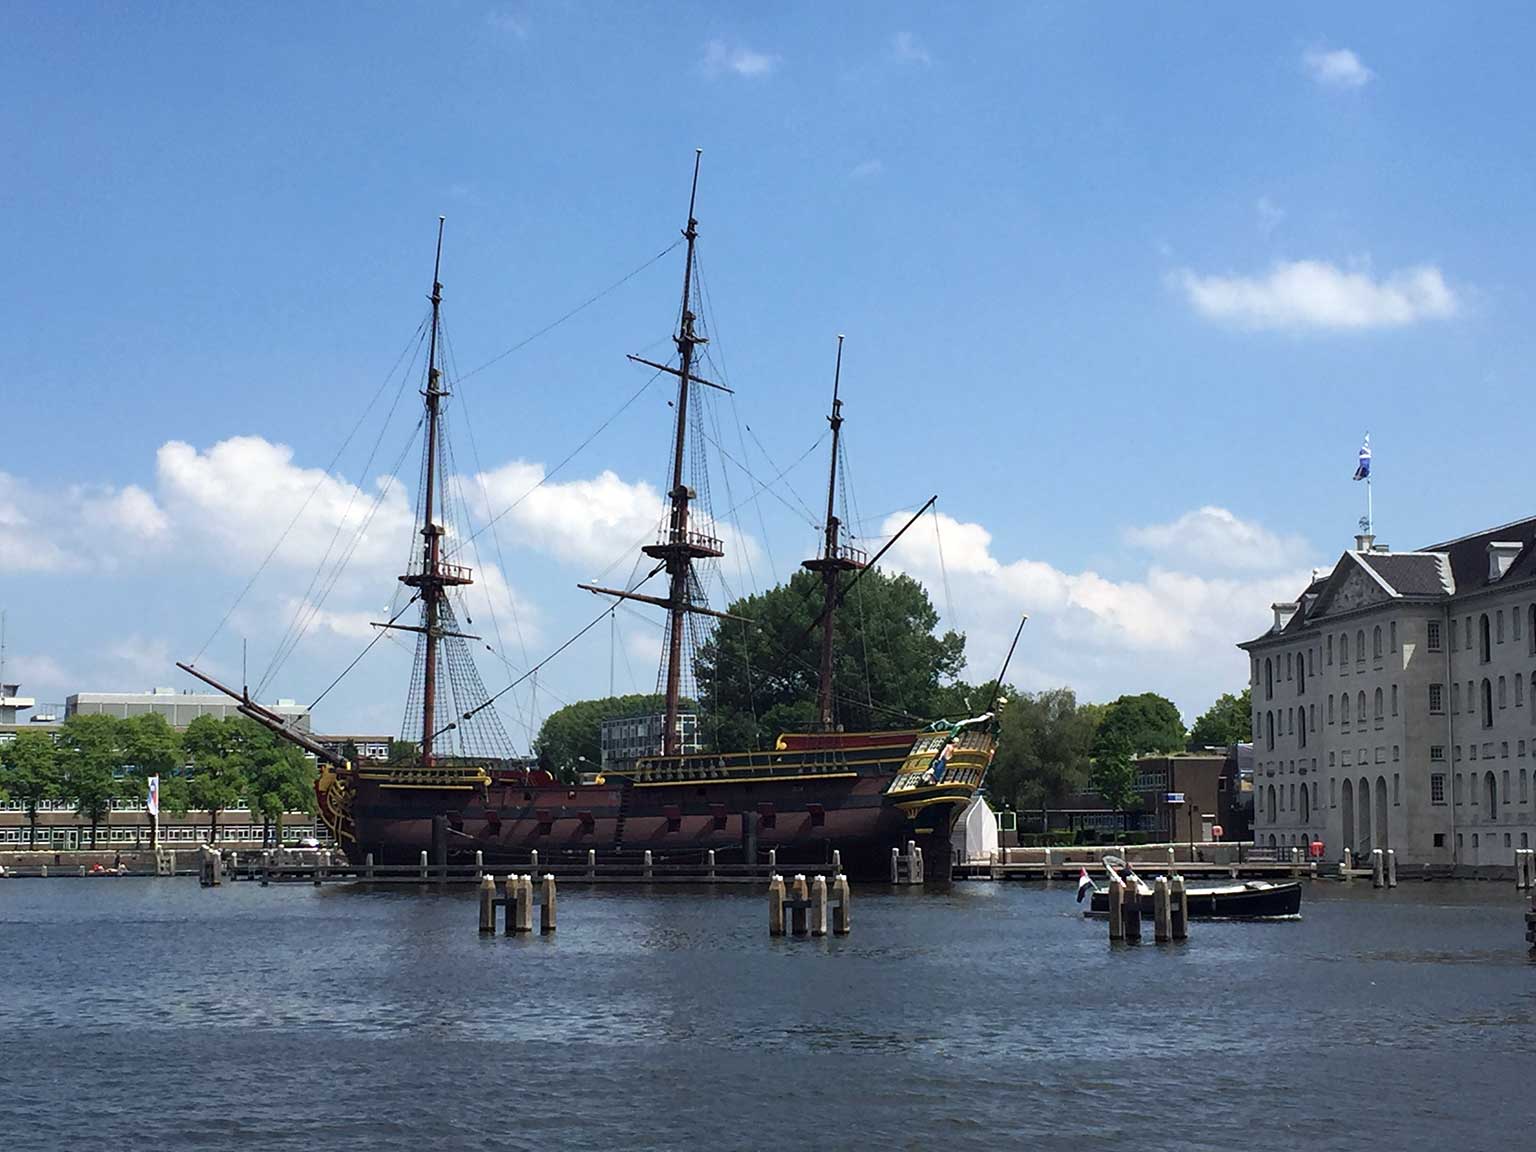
1393,706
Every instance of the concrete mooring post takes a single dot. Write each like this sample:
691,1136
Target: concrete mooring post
591,863
914,863
1162,911
798,893
1295,861
487,906
646,863
895,865
1349,863
837,862
775,905
842,910
519,904
819,906
368,866
1180,909
1117,909
1378,868
773,861
479,863
710,860
1172,863
422,866
533,862
1391,867
547,909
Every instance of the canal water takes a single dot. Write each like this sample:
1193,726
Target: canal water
153,1014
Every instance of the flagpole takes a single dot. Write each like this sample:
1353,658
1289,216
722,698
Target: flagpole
1370,517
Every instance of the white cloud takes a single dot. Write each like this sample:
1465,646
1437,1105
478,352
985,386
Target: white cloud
1166,630
1311,294
907,47
1215,537
74,529
589,522
721,58
1338,68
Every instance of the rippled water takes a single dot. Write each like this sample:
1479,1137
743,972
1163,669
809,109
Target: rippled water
143,1013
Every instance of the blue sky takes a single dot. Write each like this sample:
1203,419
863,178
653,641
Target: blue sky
1124,287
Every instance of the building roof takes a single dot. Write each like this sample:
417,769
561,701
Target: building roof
1452,568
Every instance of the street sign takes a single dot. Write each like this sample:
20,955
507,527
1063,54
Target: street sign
1174,798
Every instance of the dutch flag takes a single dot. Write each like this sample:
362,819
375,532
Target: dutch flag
1084,885
1363,468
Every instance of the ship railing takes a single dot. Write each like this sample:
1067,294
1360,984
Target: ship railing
690,537
848,552
750,766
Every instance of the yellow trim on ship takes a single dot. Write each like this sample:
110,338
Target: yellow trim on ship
739,780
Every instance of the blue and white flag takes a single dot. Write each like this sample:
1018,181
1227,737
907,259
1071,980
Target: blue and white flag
1363,469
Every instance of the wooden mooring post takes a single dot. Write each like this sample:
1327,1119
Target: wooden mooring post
806,910
423,865
907,867
1116,909
1180,909
368,866
1378,868
487,906
1131,913
1162,911
1525,869
519,901
1391,867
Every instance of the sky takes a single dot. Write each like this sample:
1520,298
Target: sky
1124,287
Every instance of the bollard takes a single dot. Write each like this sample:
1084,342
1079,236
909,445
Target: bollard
895,866
1048,865
1312,869
423,866
837,862
591,863
1519,869
1132,913
82,870
842,912
519,904
487,906
43,872
1172,863
773,860
1378,868
368,866
533,863
1162,911
917,858
1295,861
1180,909
798,892
1116,908
819,906
710,857
1391,867
647,859
547,912
509,895
914,870
1349,862
479,863
775,905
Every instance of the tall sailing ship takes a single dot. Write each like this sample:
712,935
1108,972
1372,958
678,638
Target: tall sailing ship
861,793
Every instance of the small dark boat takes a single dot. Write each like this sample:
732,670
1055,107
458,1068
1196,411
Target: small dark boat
1253,900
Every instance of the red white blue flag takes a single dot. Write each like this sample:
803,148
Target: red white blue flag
1084,885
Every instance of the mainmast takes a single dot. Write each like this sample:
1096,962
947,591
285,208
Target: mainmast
835,557
435,577
679,545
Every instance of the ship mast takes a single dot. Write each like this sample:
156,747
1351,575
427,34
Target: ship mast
435,577
834,558
679,545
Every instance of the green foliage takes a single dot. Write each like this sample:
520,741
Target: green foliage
29,765
280,778
1139,724
757,680
220,754
1228,721
571,733
91,753
1043,749
1113,775
402,752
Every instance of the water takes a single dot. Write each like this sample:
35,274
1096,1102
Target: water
153,1014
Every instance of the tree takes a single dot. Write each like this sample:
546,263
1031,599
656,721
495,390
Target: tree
402,752
1113,775
1043,748
218,752
151,747
91,755
759,679
281,778
31,765
1228,721
1139,724
569,737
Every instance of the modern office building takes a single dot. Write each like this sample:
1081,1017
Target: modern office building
624,739
1392,704
179,708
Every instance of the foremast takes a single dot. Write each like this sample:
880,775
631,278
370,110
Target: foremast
835,558
435,577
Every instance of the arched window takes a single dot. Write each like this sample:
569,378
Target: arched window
1376,642
1271,797
1269,678
1312,717
1360,646
1394,699
1329,659
1344,709
1530,627
1331,712
1491,794
1343,647
1301,674
1301,735
1503,692
1379,713
1360,705
1487,701
1306,805
1484,639
1270,721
